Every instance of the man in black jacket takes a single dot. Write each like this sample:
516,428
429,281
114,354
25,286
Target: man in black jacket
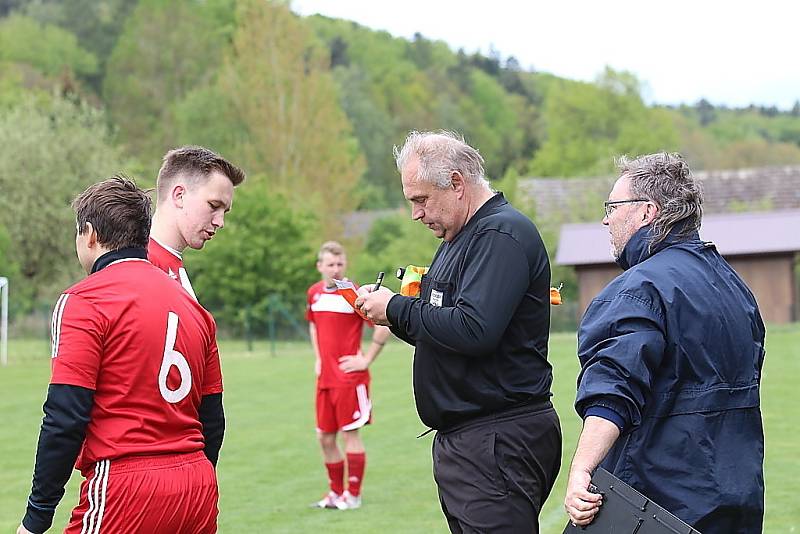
480,331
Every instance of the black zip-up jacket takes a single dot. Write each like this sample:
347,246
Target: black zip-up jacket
480,326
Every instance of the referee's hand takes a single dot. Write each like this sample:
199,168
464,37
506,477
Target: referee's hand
373,304
23,530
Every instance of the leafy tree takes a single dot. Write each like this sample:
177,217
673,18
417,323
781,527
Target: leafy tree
392,242
167,49
739,139
374,128
262,251
96,23
757,153
278,85
587,125
49,152
21,300
8,6
499,127
46,48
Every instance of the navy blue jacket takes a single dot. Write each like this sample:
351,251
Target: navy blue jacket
675,346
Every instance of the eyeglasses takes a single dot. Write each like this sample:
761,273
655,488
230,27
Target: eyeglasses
611,205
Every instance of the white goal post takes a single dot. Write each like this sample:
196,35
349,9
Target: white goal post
3,320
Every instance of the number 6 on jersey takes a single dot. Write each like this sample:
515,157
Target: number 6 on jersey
173,357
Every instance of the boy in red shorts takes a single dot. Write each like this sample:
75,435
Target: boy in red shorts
133,364
343,403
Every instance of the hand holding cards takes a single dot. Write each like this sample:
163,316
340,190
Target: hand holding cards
346,289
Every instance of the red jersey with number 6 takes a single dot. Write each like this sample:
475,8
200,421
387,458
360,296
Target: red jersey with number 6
148,351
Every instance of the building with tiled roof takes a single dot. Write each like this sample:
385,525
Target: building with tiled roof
752,215
759,189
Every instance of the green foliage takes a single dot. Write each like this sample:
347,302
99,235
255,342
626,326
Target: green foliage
313,106
392,242
96,24
737,139
262,251
588,125
9,268
49,152
167,49
508,185
47,48
13,88
389,86
205,117
279,113
376,133
496,122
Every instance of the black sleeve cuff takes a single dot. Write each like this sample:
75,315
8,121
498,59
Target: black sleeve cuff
38,518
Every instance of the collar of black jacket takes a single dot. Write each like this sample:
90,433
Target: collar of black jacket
110,257
639,248
494,201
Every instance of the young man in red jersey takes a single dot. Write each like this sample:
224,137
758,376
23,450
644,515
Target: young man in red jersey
134,400
343,403
195,191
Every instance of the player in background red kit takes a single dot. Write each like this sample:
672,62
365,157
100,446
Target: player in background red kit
134,400
343,403
195,191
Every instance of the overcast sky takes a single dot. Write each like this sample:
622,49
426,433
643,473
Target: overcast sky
733,53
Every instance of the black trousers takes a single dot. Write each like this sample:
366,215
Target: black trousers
494,473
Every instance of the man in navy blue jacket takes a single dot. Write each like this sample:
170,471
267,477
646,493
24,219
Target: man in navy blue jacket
671,354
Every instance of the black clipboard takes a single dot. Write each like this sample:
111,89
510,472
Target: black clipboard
626,511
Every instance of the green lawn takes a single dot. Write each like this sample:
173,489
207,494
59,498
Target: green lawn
270,467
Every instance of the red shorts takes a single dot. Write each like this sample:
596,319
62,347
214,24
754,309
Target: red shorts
343,409
155,494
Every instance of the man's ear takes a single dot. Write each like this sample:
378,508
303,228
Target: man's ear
177,194
650,213
457,183
91,240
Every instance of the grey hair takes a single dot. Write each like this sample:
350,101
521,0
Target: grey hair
666,180
440,154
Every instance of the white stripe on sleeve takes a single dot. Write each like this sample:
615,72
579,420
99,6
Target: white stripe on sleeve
55,325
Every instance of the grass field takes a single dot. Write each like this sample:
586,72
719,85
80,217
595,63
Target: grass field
270,467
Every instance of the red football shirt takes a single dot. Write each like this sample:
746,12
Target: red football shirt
339,330
147,350
170,261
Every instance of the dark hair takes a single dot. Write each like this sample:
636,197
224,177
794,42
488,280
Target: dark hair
667,180
194,163
118,210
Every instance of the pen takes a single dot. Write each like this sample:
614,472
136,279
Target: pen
378,282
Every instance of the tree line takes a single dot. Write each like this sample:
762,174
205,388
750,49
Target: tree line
310,107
